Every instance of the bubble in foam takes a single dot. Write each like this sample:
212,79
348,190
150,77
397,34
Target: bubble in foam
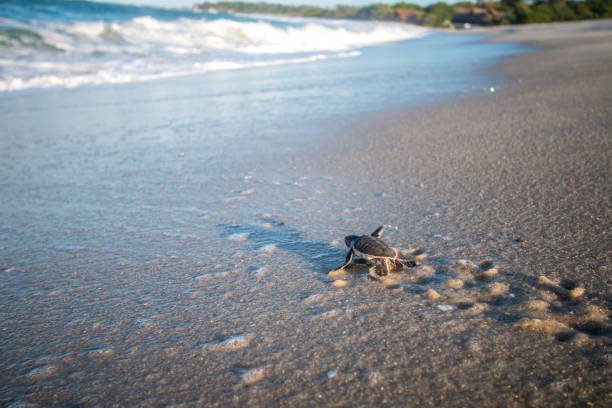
234,199
213,275
102,352
230,343
330,314
255,374
261,271
351,210
268,249
262,225
295,201
42,372
313,298
238,237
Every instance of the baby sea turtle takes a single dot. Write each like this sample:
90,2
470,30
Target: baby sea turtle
372,248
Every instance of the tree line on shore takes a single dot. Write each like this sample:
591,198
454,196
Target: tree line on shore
439,14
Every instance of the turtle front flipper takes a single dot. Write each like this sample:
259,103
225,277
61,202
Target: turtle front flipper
378,231
349,259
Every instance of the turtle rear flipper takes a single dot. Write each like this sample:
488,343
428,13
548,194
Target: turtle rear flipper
404,259
373,273
380,267
408,263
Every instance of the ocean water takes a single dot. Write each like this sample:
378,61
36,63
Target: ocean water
169,210
50,44
71,43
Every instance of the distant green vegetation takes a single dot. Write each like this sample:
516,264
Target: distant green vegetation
439,14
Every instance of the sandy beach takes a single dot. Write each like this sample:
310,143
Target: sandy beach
518,178
177,283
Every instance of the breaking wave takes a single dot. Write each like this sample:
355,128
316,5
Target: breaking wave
129,44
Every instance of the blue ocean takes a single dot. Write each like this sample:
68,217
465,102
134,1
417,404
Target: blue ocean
362,65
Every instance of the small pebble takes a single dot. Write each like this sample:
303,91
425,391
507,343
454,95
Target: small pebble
426,269
454,283
577,293
337,273
596,314
549,326
536,305
390,282
331,374
543,280
582,340
466,263
340,283
432,295
476,309
546,295
444,308
489,273
498,289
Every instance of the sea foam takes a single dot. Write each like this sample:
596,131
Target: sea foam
69,53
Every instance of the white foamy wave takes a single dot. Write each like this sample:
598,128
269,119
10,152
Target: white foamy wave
50,54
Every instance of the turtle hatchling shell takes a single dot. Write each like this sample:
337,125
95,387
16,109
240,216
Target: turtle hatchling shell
373,246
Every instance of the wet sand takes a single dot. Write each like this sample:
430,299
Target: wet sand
518,178
503,199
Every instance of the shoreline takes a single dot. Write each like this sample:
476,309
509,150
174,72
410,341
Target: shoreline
516,178
559,92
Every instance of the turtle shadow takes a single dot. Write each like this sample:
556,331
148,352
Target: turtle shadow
271,232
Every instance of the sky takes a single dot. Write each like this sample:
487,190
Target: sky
322,3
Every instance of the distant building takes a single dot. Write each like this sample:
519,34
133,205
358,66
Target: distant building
472,16
408,15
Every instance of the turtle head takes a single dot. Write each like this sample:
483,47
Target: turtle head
349,239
